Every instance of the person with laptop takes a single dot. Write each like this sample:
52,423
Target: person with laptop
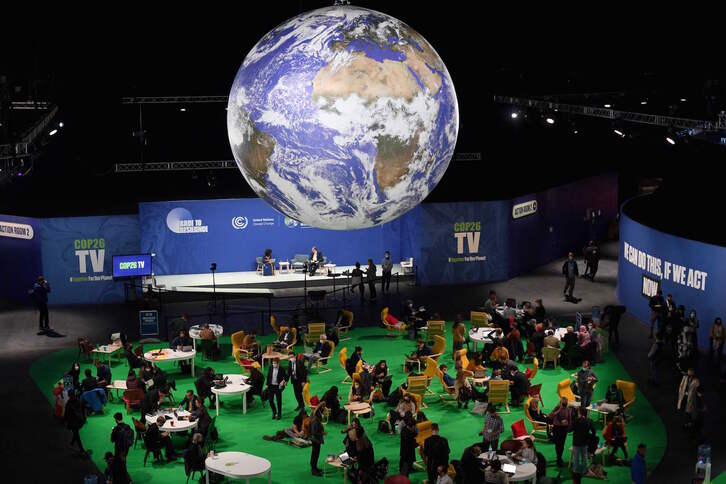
494,474
182,343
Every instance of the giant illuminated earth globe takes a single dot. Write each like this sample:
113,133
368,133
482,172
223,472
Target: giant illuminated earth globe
343,118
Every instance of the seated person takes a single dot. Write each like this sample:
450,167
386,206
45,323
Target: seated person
206,333
465,392
194,456
499,353
527,452
352,362
476,363
134,361
614,435
537,339
151,401
569,339
251,344
160,440
161,379
103,374
448,379
550,340
90,382
133,383
180,341
315,261
405,406
284,340
187,402
321,351
393,321
535,411
299,432
201,415
494,473
205,383
519,388
359,392
514,340
422,351
147,372
256,380
472,465
267,263
382,378
332,403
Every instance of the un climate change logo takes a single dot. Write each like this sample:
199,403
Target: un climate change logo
291,222
239,222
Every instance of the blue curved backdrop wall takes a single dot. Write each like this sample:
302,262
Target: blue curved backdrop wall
694,272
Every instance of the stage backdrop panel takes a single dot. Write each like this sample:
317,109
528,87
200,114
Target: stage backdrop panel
694,272
77,256
20,257
188,235
464,242
544,226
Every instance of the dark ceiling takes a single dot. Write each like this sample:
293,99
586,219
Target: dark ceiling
86,64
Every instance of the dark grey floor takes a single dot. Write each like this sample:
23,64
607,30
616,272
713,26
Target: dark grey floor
35,447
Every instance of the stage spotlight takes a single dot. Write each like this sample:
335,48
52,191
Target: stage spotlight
683,99
53,132
575,132
182,109
550,121
607,105
515,115
619,133
643,103
670,140
60,125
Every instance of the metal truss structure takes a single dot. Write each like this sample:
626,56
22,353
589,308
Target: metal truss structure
174,99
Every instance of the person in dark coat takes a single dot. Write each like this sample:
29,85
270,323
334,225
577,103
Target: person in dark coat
151,401
160,440
519,387
134,361
276,381
436,450
40,296
471,465
121,435
408,445
317,434
298,378
570,271
371,277
74,418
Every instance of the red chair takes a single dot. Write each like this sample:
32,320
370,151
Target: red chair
397,479
519,431
85,347
139,351
140,428
535,390
510,445
531,351
133,398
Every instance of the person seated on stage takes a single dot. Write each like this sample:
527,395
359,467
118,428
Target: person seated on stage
251,344
134,361
90,382
405,406
268,262
498,354
321,351
103,374
352,362
160,440
187,402
382,378
299,432
132,382
151,401
519,388
316,259
550,340
283,340
422,352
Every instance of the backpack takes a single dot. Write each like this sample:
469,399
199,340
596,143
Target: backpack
128,437
383,426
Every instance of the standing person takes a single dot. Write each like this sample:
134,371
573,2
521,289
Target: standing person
695,413
582,431
387,268
356,280
594,261
74,418
638,467
561,420
716,339
317,433
408,445
458,331
613,314
654,357
687,388
122,436
493,428
276,379
436,449
570,271
40,295
586,380
298,378
371,275
657,310
586,253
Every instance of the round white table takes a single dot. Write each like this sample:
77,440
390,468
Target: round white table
238,465
172,424
524,472
235,386
168,354
194,331
518,313
482,335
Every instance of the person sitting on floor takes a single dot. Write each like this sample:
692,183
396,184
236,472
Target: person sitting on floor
299,432
422,351
405,405
160,440
90,382
332,403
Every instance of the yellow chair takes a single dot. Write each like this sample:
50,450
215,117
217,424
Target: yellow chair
313,335
423,433
342,358
430,372
293,342
306,399
462,357
535,367
550,355
479,319
499,392
439,347
538,428
564,390
417,399
417,386
322,364
237,340
628,389
273,324
436,327
345,326
449,391
391,330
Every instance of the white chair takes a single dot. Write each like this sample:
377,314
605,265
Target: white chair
407,266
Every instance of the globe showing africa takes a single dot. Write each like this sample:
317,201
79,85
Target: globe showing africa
343,118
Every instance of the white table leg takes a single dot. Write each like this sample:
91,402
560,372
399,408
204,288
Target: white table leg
194,343
244,403
217,400
193,366
207,476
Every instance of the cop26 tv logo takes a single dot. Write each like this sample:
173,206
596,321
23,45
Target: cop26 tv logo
239,223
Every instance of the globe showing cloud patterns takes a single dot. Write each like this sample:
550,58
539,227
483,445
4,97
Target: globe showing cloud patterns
343,118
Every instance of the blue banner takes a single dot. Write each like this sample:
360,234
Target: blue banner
694,272
20,257
149,323
464,243
186,236
77,256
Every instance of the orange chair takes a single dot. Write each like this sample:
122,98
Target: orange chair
538,428
85,347
132,398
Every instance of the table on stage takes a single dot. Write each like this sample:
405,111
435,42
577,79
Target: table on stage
524,471
167,354
194,331
108,350
235,386
238,465
482,335
173,423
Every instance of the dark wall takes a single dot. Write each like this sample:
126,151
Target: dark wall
19,257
